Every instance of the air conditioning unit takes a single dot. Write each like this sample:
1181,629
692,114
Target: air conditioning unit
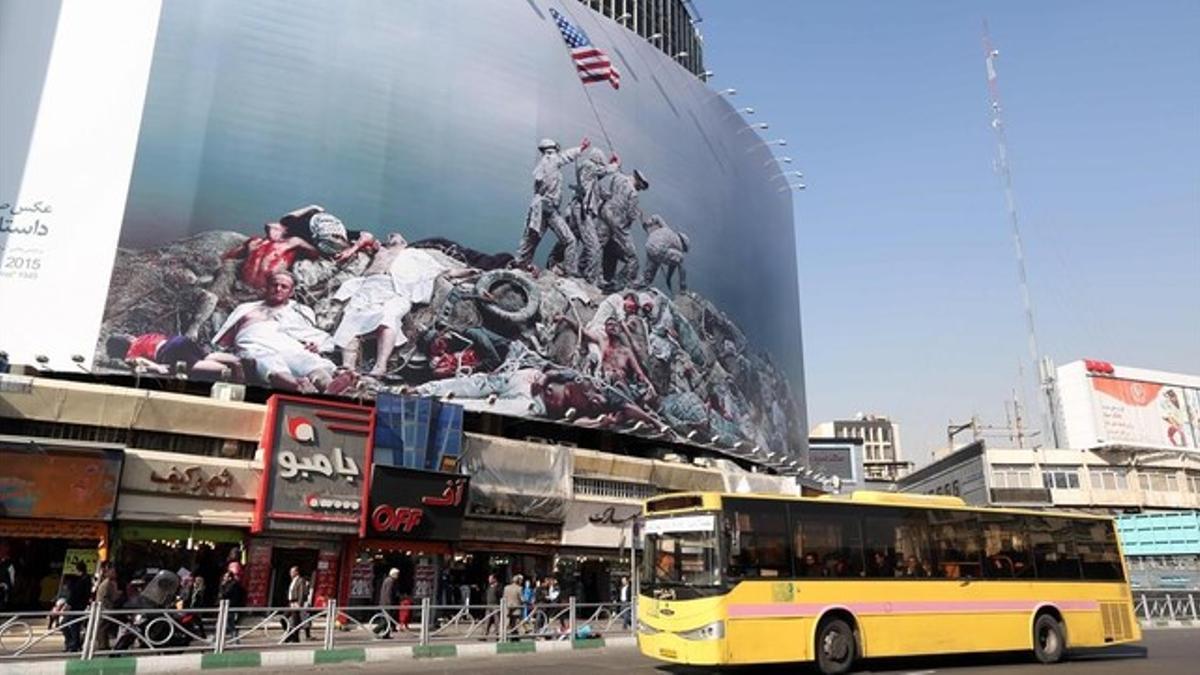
228,391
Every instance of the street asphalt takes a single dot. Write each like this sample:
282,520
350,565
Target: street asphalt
1162,652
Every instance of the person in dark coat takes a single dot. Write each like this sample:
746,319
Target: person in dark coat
232,590
491,598
79,594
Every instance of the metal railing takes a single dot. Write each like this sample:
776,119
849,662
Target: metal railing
1151,605
96,632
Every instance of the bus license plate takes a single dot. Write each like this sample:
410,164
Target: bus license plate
668,653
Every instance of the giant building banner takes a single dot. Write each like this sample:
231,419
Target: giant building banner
519,205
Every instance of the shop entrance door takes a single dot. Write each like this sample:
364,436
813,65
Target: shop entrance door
282,561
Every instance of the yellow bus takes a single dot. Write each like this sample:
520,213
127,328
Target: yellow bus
746,579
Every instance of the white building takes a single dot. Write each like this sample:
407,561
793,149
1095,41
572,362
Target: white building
883,459
1102,479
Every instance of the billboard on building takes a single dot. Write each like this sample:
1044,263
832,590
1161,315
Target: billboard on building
833,458
316,459
522,205
1103,404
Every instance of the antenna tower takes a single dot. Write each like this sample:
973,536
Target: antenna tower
1044,370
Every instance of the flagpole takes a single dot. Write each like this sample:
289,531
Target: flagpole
588,94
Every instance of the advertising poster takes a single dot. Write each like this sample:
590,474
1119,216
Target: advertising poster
1146,413
69,484
90,557
833,460
432,197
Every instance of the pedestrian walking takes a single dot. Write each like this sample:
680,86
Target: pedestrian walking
232,591
512,599
491,598
78,595
388,596
298,592
107,595
626,608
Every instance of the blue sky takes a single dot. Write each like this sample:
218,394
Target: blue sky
908,278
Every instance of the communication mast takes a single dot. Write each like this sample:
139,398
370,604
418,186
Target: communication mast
1043,369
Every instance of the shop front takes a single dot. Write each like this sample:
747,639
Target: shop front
187,514
598,538
311,496
56,503
505,547
413,520
518,498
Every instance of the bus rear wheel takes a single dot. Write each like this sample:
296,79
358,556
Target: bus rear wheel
1049,642
836,647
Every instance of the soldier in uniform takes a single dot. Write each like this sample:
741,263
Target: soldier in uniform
620,211
665,247
546,203
585,210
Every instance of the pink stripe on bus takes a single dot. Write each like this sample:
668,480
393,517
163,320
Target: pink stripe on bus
906,607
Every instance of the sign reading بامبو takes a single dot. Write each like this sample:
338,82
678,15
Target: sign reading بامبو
416,505
314,467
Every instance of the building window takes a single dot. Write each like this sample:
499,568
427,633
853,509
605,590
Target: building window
1193,482
1012,477
1060,477
613,489
1152,480
1108,479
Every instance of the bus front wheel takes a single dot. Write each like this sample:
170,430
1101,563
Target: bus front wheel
836,647
1049,643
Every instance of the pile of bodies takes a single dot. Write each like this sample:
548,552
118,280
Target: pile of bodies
312,306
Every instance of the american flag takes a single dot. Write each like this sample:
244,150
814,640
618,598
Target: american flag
592,63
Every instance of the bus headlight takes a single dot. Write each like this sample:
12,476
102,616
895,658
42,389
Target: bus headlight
712,631
646,629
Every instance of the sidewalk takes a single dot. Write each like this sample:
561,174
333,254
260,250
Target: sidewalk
294,658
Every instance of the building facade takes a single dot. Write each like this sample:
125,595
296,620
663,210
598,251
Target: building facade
235,481
1100,480
882,457
199,224
669,25
1162,549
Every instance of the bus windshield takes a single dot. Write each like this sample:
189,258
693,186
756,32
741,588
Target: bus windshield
682,552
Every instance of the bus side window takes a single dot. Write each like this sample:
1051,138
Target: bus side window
759,545
957,544
828,541
1054,552
1096,544
1006,547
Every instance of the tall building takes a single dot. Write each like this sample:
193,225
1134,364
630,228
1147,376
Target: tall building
883,459
381,312
669,25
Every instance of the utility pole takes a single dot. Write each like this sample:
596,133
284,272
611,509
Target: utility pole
1002,166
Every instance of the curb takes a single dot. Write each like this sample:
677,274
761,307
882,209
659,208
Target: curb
277,660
